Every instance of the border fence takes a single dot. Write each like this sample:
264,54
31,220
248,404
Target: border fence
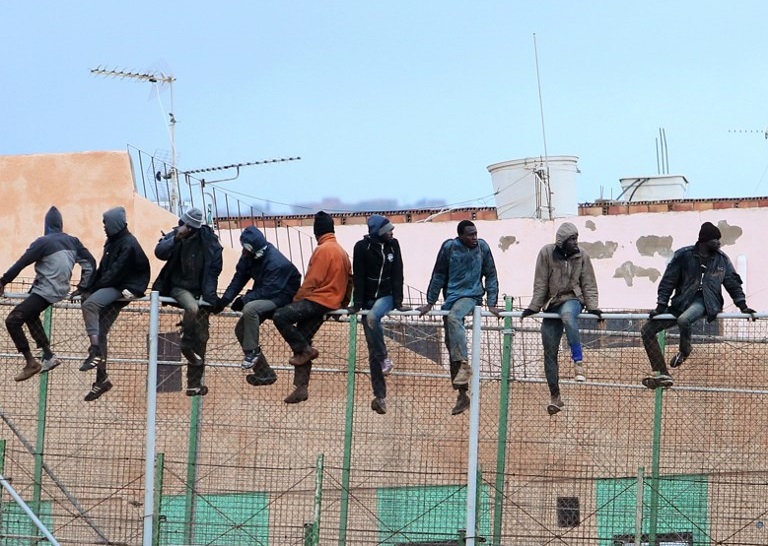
146,465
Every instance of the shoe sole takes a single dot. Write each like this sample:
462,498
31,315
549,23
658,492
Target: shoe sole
553,409
296,400
654,383
202,391
260,381
580,378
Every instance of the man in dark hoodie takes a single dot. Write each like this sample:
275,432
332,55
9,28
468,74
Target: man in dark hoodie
275,282
54,255
193,256
693,279
564,283
122,275
377,270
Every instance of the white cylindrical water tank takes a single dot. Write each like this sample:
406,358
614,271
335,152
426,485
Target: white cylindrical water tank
522,192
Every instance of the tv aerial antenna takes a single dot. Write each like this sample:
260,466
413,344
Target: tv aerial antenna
159,79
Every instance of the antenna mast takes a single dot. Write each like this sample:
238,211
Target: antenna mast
155,78
545,178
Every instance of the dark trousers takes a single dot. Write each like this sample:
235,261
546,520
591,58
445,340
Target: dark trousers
107,317
28,312
298,322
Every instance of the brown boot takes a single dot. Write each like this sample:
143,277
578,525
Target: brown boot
30,369
307,355
301,382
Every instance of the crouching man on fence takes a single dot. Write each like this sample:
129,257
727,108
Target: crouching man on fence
693,279
122,275
327,287
193,257
275,282
54,255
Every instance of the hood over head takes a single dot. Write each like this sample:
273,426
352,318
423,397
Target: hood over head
54,223
565,231
252,239
114,221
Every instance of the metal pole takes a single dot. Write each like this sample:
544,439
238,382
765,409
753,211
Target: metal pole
319,469
474,428
159,468
349,421
501,445
639,507
655,453
192,455
42,406
28,511
149,456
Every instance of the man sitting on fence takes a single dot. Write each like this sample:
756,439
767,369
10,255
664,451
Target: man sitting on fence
54,255
327,286
275,282
122,275
462,264
193,258
693,279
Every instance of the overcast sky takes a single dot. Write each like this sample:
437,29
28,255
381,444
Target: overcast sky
404,99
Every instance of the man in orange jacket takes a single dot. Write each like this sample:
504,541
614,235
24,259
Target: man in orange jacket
327,286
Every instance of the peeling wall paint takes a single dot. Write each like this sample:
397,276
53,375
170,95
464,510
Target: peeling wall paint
648,245
507,241
628,271
730,234
599,250
590,225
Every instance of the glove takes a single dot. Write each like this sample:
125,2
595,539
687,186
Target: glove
76,292
597,312
748,311
660,310
495,310
352,309
219,306
527,313
424,309
238,304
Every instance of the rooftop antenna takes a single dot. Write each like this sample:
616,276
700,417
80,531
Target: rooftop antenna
542,175
157,79
662,153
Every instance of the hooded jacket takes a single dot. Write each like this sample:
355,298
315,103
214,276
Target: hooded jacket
123,264
54,255
559,278
329,275
169,249
683,278
377,267
274,277
459,272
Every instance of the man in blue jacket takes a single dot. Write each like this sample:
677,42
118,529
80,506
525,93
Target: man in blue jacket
464,272
54,255
193,256
122,275
275,282
693,279
377,274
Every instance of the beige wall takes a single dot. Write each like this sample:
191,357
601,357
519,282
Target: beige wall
82,186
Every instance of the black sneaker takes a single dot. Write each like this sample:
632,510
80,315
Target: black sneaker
97,389
678,360
93,359
462,403
379,405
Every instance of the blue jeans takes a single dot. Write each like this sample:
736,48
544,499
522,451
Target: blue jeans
374,338
552,333
684,322
456,334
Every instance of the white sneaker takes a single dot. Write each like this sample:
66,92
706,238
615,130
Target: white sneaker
464,374
386,366
49,363
578,369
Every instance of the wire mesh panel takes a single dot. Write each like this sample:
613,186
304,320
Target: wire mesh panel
238,466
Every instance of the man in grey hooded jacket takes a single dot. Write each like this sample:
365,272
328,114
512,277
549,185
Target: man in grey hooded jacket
564,283
54,255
